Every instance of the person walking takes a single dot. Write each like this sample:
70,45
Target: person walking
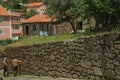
5,67
15,66
1,78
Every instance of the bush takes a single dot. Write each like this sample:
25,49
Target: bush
90,32
5,42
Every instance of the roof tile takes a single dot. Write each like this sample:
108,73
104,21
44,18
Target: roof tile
38,18
35,4
3,11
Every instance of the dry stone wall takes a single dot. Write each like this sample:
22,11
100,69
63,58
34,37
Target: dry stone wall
63,28
95,57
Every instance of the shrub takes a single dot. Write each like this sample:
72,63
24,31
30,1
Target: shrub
5,42
89,32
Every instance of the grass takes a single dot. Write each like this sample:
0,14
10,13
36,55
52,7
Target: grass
31,40
27,40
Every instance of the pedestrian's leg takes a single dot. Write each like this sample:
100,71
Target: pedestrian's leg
7,72
1,78
19,69
4,74
16,71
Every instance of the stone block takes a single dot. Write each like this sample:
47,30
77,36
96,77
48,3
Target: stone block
97,71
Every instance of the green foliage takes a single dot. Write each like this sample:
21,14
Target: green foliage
66,8
15,4
69,10
27,40
4,4
106,13
90,32
30,13
5,42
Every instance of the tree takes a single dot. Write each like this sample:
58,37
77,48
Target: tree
13,4
30,13
68,10
106,13
5,3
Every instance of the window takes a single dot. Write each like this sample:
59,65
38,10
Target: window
34,28
1,32
41,27
15,27
1,19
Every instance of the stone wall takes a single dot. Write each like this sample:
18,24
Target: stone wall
95,57
63,28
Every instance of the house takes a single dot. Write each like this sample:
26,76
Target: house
51,27
37,6
5,24
8,23
16,19
42,24
38,25
89,23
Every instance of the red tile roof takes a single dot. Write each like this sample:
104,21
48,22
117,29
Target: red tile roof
17,14
3,11
35,4
38,18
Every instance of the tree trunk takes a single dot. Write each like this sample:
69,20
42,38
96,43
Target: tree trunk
71,23
73,26
106,23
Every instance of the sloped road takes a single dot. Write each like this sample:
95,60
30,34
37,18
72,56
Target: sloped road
28,77
35,78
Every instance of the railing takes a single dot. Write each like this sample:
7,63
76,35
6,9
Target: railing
16,32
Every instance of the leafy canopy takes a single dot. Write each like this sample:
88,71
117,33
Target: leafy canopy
30,13
65,8
68,10
106,13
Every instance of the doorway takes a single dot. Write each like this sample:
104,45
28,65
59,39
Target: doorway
27,30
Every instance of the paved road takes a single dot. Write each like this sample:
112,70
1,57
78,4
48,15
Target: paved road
35,78
28,77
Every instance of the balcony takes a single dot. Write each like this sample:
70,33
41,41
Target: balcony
16,32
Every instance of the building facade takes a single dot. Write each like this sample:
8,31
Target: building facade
8,23
39,7
16,26
42,24
5,24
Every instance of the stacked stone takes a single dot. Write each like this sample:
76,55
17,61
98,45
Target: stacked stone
63,28
94,57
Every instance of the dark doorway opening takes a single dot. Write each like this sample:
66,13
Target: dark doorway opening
79,26
27,30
